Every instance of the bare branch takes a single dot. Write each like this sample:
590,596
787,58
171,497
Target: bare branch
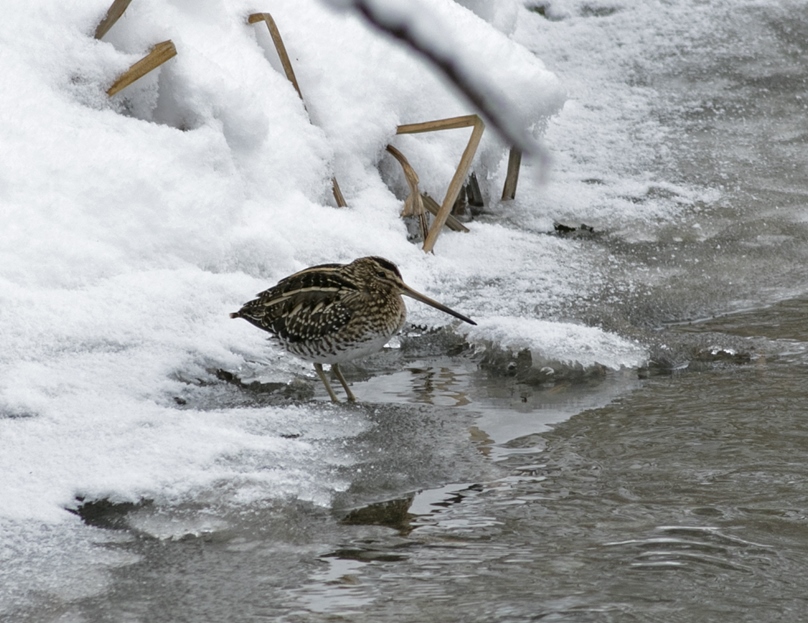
497,111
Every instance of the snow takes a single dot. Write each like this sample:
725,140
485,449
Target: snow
558,342
133,225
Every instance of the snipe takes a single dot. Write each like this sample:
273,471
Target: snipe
334,313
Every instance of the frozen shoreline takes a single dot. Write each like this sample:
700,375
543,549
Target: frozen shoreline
131,239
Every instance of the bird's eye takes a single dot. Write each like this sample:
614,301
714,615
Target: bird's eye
381,274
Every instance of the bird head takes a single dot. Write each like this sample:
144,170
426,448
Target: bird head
377,273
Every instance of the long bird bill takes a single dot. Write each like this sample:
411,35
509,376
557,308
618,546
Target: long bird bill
408,291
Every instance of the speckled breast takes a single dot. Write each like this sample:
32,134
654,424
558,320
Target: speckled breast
366,333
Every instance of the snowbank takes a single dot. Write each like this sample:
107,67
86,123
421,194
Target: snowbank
133,225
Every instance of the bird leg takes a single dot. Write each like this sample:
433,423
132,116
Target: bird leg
342,380
319,368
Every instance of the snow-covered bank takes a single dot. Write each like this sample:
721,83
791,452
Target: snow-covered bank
132,226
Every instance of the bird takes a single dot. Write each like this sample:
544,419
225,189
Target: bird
333,313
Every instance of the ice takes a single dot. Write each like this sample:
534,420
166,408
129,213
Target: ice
558,342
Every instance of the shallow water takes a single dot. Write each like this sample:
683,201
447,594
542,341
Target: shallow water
682,497
469,492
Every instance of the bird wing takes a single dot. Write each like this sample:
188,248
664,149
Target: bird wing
311,315
307,305
321,276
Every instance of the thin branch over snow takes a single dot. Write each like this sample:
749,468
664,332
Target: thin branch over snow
419,32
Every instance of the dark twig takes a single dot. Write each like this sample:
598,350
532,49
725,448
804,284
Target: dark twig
494,108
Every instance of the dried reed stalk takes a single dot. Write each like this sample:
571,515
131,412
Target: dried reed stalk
114,12
452,222
414,205
512,178
158,55
272,27
286,63
461,173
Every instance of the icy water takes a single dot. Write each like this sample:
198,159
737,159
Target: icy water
681,497
477,491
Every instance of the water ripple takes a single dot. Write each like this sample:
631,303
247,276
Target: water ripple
702,545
